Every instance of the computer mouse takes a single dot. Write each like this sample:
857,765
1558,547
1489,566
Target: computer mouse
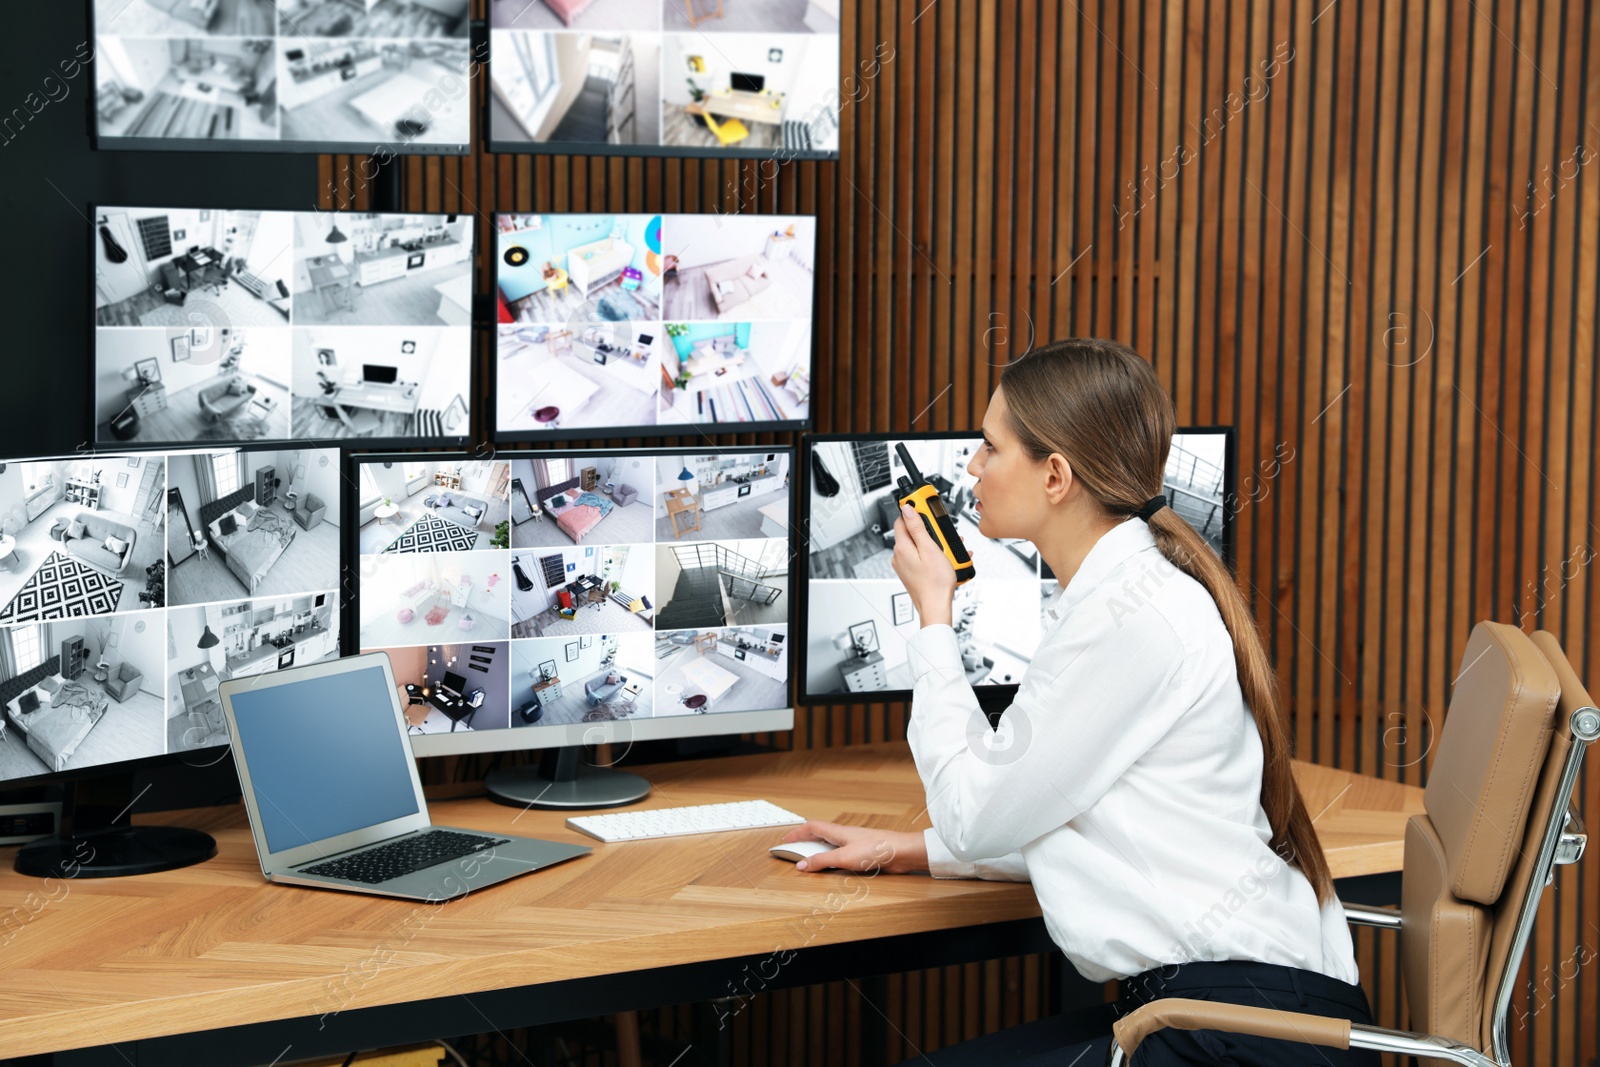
795,851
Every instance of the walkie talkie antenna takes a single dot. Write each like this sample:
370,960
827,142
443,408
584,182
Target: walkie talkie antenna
905,458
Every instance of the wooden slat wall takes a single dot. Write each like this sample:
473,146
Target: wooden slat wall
1363,233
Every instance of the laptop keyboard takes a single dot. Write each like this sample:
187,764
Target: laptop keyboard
387,862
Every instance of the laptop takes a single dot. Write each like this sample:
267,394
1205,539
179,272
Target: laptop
333,794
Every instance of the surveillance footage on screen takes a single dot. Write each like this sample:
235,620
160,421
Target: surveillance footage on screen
232,326
591,586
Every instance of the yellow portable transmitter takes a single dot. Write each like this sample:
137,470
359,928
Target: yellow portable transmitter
917,491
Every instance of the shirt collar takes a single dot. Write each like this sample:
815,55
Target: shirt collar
1115,546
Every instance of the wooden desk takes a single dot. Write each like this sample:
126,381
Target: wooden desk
399,397
212,965
751,107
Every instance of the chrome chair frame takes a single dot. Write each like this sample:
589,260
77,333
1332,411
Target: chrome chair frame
1564,842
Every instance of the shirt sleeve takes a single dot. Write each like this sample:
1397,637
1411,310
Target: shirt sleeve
941,864
1100,692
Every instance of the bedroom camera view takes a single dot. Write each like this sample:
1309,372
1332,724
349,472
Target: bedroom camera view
858,616
300,75
132,585
234,326
591,609
733,77
652,322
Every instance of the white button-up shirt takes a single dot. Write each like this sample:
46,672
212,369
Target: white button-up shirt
1124,781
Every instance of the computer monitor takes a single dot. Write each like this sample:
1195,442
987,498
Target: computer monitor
132,585
583,596
636,325
381,375
857,616
454,682
261,330
255,76
663,85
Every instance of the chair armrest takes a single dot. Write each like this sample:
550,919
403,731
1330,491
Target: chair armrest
1364,915
1131,1030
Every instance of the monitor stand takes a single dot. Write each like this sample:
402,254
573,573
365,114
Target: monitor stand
563,780
97,841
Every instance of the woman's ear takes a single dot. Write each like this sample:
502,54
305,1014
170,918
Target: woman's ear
1058,478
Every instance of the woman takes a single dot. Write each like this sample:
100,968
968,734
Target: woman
1146,788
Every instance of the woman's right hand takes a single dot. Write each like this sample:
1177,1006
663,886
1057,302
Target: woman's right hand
860,848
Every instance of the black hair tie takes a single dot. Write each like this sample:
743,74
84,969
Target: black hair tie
1151,506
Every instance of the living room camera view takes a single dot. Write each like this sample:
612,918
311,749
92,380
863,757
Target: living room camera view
605,613
314,74
752,77
132,585
233,326
81,536
434,506
624,322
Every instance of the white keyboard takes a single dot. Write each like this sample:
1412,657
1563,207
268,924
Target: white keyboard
675,822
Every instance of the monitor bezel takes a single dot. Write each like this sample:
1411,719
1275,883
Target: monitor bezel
615,732
525,438
802,607
342,443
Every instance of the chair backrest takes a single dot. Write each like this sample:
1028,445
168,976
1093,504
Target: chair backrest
1526,882
1463,855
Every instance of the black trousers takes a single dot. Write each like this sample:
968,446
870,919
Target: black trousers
1083,1038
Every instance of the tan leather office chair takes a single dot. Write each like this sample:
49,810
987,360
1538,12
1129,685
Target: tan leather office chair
1496,823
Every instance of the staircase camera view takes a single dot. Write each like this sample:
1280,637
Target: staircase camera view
578,587
233,326
309,75
734,77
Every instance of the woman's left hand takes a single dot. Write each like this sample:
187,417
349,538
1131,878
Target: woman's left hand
923,568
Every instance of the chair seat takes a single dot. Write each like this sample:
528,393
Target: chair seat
727,131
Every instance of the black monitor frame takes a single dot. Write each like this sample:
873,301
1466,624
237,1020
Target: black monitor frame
473,330
993,697
559,438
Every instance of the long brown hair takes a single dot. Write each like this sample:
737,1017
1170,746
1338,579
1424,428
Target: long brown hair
1100,406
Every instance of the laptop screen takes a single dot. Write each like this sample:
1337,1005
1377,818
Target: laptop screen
326,756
